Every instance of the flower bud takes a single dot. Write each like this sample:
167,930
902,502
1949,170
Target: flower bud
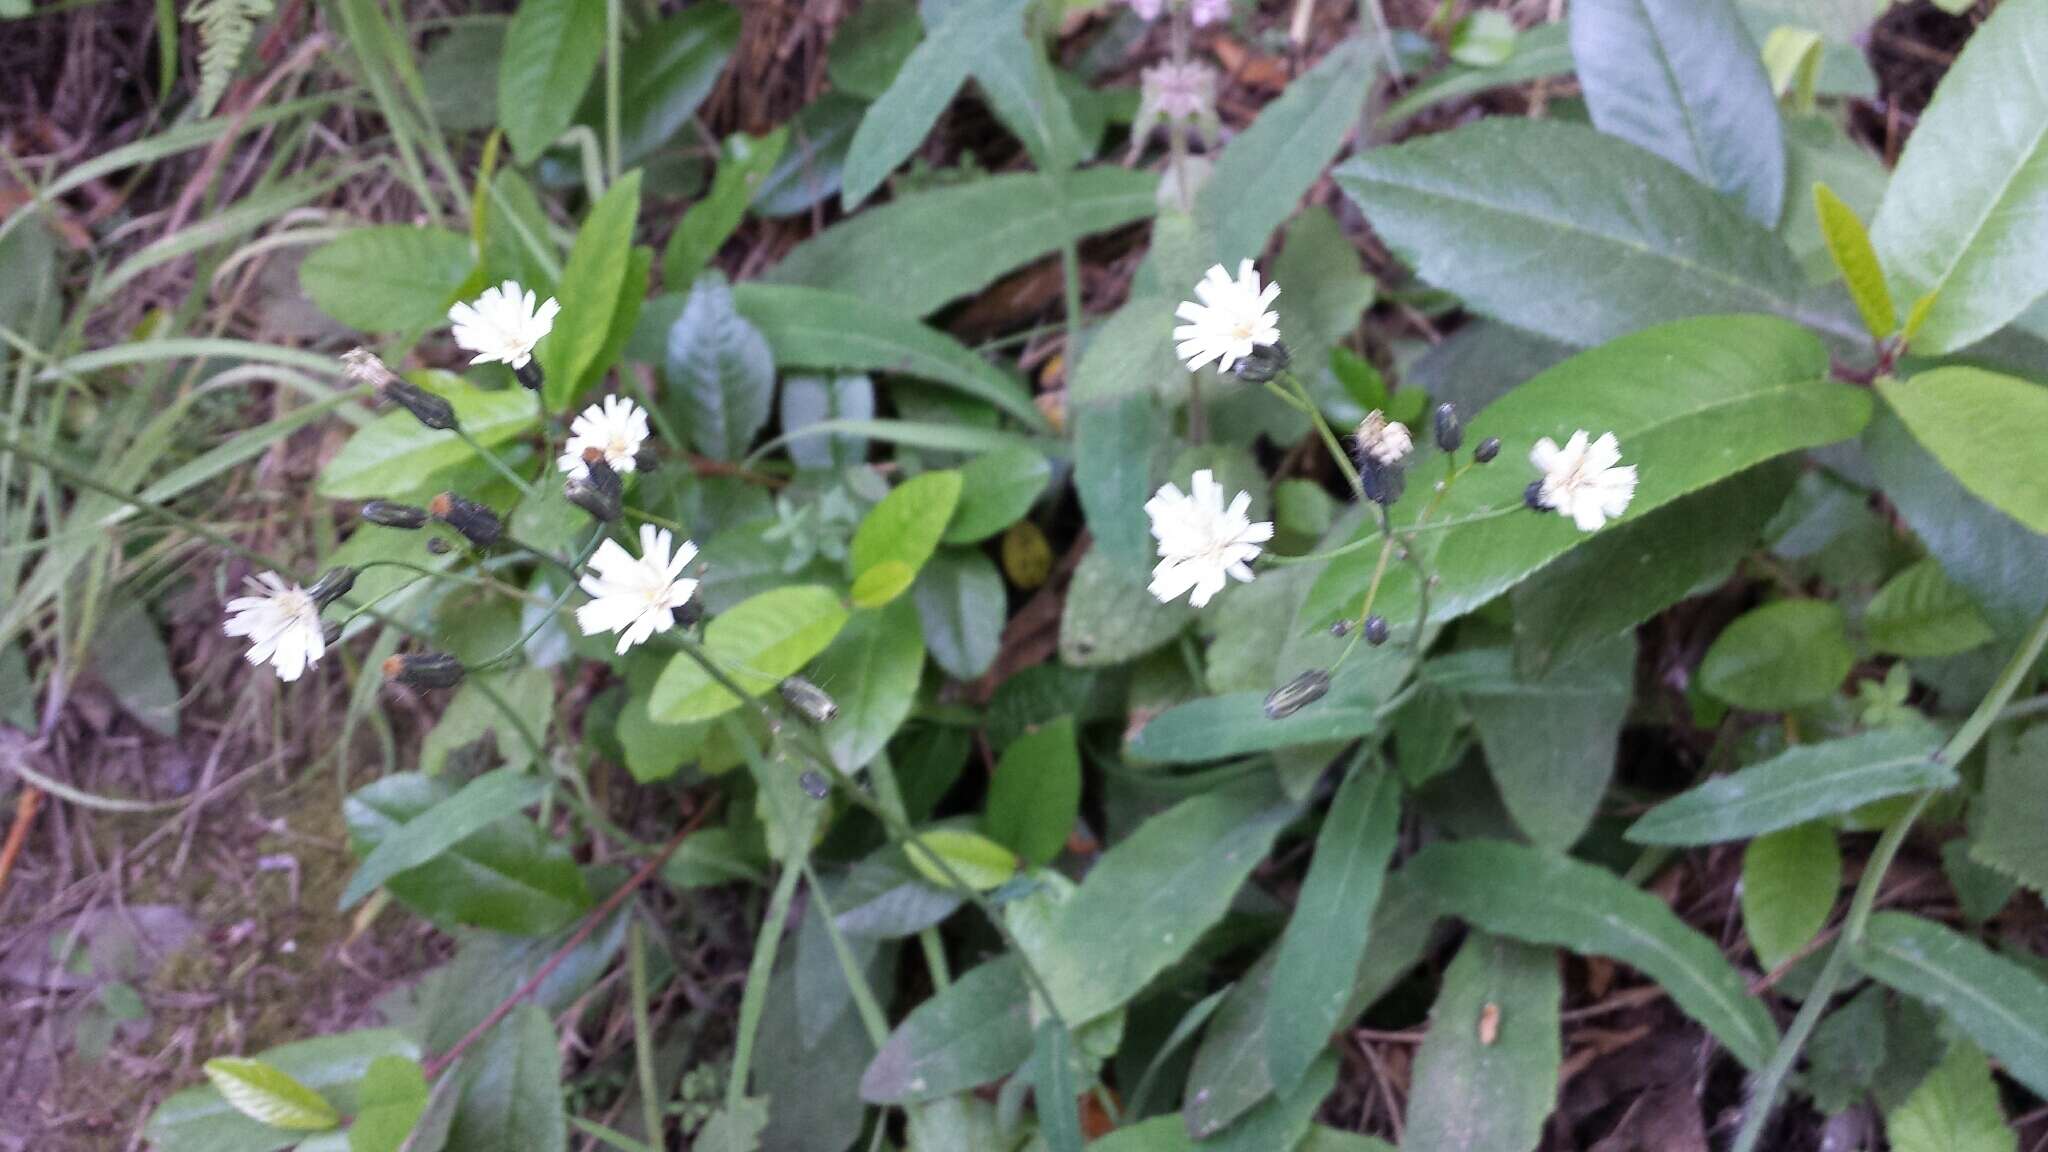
1297,694
427,408
691,612
330,633
424,670
598,492
647,459
1265,362
1487,450
361,367
1382,485
809,699
437,546
332,585
1375,629
1449,432
1341,628
529,375
478,524
394,515
1532,496
814,785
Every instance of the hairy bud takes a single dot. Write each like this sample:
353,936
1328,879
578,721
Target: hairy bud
361,367
1532,496
1341,628
1265,362
332,585
1487,450
809,699
424,670
427,408
814,785
599,491
1297,694
478,524
392,514
529,375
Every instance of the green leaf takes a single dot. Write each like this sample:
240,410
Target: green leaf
1681,79
506,875
1850,246
131,660
1151,896
1320,949
394,278
757,643
1109,617
979,861
900,533
721,369
809,172
200,1119
961,604
1279,1121
1216,727
2008,830
1818,151
743,164
1804,783
1846,1051
394,1094
1035,795
734,1129
807,400
1966,217
270,1096
996,490
1483,39
1750,385
976,1030
1955,1109
551,52
869,47
1786,654
1789,882
514,1096
1055,1088
480,803
1113,447
1986,429
592,292
1486,1076
813,328
1543,898
1569,233
935,246
396,454
1242,656
1018,83
1540,53
1922,613
666,72
873,669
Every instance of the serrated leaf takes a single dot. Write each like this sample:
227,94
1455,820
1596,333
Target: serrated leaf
757,643
269,1095
975,1031
1801,784
1985,428
1110,618
2009,825
962,605
1543,898
396,454
1955,1109
1999,1003
1035,795
996,490
1486,1075
872,668
666,72
1922,613
721,370
514,1098
979,862
551,52
1785,654
388,279
1789,882
480,803
1850,246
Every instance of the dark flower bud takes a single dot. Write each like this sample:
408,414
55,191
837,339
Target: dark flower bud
1487,450
478,524
528,375
647,459
814,785
1341,628
394,515
1449,432
1383,484
1533,496
330,633
427,408
691,612
1375,629
809,699
437,546
424,670
332,585
1297,694
598,492
1265,362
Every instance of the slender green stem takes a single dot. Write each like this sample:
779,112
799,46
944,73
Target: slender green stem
1329,435
864,1001
766,943
883,773
643,1032
554,606
611,91
498,465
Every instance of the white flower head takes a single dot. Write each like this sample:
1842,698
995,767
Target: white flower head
636,597
1384,442
1585,482
1200,541
1202,13
503,324
1148,9
282,622
617,427
1232,319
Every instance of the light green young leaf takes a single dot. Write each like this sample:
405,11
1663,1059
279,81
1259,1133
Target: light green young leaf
743,164
1922,613
1486,1076
394,1094
1035,795
1985,428
979,861
666,72
1786,654
1818,151
1955,1109
396,454
1789,882
756,643
721,370
480,803
593,291
896,538
974,1031
200,1119
1850,246
269,1095
551,52
388,279
1540,53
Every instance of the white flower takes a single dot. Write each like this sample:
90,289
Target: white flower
1385,442
1201,541
1203,13
503,325
636,597
1230,321
282,622
616,428
1585,482
1148,9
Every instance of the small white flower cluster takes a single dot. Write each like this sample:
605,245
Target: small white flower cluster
1201,13
1585,483
1201,542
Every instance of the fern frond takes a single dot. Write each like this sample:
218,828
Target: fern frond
225,27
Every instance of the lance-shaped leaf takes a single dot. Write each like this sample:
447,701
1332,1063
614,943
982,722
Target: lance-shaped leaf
721,371
1486,1075
976,1030
1850,246
200,1119
269,1095
1997,1002
596,288
482,802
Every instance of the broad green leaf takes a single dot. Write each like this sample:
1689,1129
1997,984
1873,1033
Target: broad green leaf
818,329
1017,81
1955,1109
1110,618
1681,79
962,1121
506,875
2008,830
809,171
743,164
1846,1050
899,534
1751,385
488,968
1486,1076
1242,656
200,1119
808,399
974,1031
482,802
1328,290
713,857
734,1129
1326,936
1966,217
514,1097
516,242
1540,53
828,1113
980,862
1055,1087
1985,428
1229,1076
666,72
394,1094
1803,783
393,278
935,246
269,1095
1321,1139
869,47
962,604
1216,727
996,490
1035,795
395,454
593,290
1113,447
1130,355
1786,654
721,370
1150,897
1789,882
1850,246
1543,898
129,657
756,643
551,52
1921,613
872,669
1279,1121
1569,233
